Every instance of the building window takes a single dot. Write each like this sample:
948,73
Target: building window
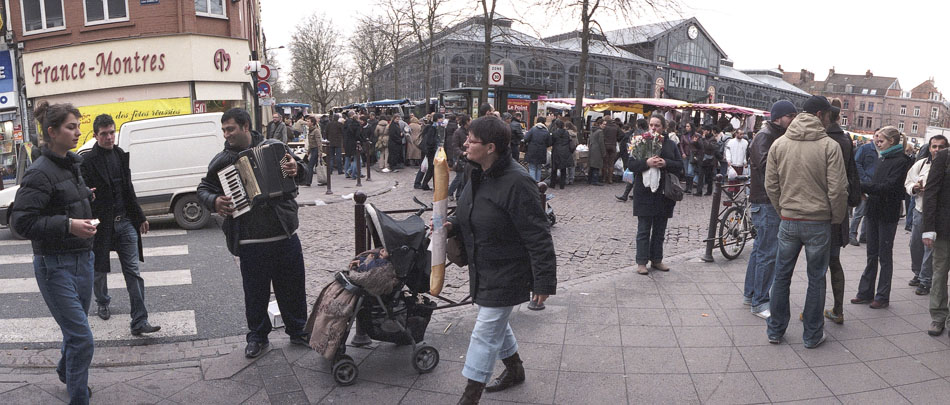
873,92
871,107
466,73
861,106
210,8
598,81
848,88
42,15
900,126
542,72
844,120
903,110
106,11
845,106
869,122
633,83
933,113
689,53
864,91
913,128
860,121
916,111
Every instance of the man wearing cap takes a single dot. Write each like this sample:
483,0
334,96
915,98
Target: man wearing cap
761,268
806,182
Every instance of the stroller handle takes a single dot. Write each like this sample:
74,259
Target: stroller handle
423,206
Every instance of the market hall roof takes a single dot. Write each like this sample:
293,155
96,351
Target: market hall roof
760,77
650,32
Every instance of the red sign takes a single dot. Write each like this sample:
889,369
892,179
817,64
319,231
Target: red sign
518,105
693,69
200,107
222,60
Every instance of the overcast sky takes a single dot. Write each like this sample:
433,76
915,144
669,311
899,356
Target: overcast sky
907,40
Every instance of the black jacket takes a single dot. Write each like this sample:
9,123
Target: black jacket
430,140
645,202
95,172
708,149
52,192
886,192
758,155
334,133
517,132
937,197
562,156
841,233
510,250
210,188
453,145
537,140
351,135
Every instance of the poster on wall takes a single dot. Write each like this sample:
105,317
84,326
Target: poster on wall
8,96
131,111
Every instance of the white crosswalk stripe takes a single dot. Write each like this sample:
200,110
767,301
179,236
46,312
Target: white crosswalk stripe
116,281
150,234
29,330
176,250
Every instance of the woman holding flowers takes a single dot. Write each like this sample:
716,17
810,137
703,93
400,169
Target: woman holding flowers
652,157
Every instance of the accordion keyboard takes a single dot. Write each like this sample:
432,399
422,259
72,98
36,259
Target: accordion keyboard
231,183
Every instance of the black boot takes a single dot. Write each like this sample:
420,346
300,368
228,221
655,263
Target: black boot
473,393
689,184
513,375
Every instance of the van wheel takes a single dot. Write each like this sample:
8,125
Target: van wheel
190,214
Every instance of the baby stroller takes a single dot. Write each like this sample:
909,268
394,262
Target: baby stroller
399,317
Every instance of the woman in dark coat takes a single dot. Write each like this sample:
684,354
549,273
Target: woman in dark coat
705,148
653,209
561,154
53,209
537,140
396,144
885,197
510,253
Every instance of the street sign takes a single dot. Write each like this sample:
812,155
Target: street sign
496,75
264,102
263,89
265,73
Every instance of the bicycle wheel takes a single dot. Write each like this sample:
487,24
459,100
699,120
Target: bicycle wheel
731,236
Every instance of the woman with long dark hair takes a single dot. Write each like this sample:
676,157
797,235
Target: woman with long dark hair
651,207
561,154
885,196
52,208
510,253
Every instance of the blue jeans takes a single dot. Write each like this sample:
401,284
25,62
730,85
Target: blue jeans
349,165
457,185
65,281
492,339
335,153
126,243
650,233
279,263
534,170
880,250
761,269
859,212
921,257
909,207
815,237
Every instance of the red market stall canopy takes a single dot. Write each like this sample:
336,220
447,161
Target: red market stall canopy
639,105
729,108
569,101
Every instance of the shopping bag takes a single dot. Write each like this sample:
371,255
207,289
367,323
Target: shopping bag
628,176
425,164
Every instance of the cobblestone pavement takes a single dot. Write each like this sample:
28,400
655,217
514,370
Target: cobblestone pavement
594,232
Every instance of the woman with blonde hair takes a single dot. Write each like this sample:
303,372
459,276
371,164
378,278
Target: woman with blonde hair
885,194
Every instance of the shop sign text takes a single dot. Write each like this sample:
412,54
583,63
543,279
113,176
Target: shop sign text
105,64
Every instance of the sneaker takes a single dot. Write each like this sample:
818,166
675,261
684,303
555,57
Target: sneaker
255,349
922,290
838,319
747,301
775,340
386,170
914,282
936,328
820,341
764,314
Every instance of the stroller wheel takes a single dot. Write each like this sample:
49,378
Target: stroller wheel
345,371
425,358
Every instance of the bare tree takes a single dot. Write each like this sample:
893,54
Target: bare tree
488,13
627,10
426,19
370,52
317,61
394,33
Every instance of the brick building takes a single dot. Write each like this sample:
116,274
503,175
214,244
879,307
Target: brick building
136,59
870,102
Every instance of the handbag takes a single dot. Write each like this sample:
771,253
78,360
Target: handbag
671,187
320,172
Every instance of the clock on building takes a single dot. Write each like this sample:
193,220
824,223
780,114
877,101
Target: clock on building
692,32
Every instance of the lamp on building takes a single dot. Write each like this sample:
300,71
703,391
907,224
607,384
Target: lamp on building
271,49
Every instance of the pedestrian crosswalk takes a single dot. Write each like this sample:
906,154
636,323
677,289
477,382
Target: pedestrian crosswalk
16,259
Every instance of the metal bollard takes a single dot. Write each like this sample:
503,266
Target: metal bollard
713,220
359,168
329,159
359,215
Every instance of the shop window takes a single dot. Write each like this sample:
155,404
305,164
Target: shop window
106,11
42,16
210,8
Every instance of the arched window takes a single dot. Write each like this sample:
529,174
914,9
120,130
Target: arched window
542,72
689,53
466,72
633,83
598,81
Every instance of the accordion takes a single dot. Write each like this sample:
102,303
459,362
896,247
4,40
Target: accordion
256,176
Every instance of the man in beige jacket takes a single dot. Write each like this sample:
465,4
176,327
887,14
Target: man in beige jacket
806,181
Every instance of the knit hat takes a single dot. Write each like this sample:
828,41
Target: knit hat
782,108
815,104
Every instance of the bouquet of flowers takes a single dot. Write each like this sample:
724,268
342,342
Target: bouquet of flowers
644,147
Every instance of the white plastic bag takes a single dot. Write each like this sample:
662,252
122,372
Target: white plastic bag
731,173
425,165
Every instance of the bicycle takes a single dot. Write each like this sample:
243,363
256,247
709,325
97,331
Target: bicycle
735,221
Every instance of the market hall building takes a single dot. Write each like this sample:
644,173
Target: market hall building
136,59
672,59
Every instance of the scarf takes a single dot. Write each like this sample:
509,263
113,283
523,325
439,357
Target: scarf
891,149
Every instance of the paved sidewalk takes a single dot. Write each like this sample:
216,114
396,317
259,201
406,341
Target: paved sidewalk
615,337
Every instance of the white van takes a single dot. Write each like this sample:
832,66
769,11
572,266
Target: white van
167,157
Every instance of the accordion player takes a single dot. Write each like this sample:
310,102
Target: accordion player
257,175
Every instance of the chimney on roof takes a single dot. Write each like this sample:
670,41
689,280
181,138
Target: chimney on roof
831,72
868,74
780,68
